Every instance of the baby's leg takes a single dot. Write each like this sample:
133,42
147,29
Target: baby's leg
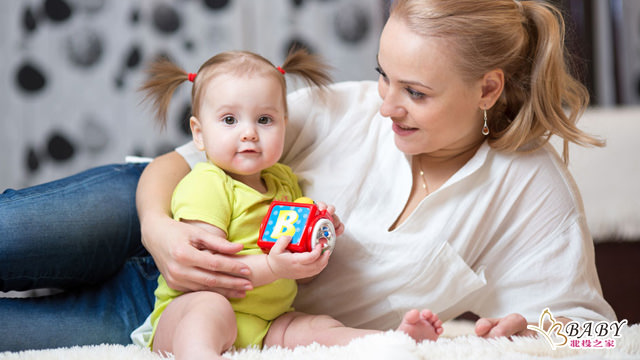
421,325
196,325
294,329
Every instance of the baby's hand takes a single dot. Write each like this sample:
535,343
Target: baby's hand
337,224
288,265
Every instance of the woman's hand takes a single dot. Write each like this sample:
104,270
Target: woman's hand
193,259
510,325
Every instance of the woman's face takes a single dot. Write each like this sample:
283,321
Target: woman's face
433,110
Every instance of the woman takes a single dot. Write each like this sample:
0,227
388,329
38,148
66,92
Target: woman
443,209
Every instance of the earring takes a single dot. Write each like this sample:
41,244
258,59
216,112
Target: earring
485,128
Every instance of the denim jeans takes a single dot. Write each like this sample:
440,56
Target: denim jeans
80,234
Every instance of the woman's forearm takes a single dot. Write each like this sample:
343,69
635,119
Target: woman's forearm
178,248
156,185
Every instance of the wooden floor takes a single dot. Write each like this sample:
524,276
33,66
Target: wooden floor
618,264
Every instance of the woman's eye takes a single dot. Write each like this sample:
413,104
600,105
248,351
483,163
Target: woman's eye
264,120
382,74
415,94
229,120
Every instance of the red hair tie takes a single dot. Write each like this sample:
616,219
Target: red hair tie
191,76
281,70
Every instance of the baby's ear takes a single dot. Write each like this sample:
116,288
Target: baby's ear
196,132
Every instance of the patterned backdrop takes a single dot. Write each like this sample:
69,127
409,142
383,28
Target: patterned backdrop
69,69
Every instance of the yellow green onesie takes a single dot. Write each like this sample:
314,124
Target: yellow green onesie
208,194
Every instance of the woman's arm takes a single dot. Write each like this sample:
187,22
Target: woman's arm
279,263
177,247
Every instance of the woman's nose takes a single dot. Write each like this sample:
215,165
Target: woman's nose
391,106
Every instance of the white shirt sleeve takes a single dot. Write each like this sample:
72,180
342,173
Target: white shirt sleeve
191,154
534,243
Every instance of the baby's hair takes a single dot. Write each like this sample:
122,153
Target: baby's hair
165,76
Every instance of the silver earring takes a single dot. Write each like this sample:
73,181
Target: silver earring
485,128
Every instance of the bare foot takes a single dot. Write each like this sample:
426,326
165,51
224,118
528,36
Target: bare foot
512,324
483,327
421,325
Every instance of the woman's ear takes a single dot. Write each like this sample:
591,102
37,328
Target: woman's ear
196,132
492,87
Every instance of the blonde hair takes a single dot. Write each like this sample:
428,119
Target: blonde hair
526,40
165,76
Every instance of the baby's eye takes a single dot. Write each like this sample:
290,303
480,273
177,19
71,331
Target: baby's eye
264,120
229,120
379,71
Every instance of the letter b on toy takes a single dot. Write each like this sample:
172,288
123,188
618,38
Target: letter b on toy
284,224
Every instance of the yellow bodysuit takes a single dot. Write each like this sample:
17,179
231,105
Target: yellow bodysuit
208,194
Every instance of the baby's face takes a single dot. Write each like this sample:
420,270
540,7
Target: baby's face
242,122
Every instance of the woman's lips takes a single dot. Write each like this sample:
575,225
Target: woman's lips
402,130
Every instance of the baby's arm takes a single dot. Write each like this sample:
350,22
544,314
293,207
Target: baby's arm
282,264
279,263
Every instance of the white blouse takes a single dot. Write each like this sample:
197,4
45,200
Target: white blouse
505,234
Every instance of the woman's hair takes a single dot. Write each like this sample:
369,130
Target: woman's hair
165,76
526,40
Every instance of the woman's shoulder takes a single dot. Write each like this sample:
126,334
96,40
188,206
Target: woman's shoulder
530,158
332,105
338,89
191,154
539,168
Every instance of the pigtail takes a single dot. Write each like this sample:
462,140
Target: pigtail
309,67
164,79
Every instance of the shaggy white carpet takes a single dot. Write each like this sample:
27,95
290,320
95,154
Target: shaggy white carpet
456,343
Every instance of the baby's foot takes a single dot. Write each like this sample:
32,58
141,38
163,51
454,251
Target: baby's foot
421,325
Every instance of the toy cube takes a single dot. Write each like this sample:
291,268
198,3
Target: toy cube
306,225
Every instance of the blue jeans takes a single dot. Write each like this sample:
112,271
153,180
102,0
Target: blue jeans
80,234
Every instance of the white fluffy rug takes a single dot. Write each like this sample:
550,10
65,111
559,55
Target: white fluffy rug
456,343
